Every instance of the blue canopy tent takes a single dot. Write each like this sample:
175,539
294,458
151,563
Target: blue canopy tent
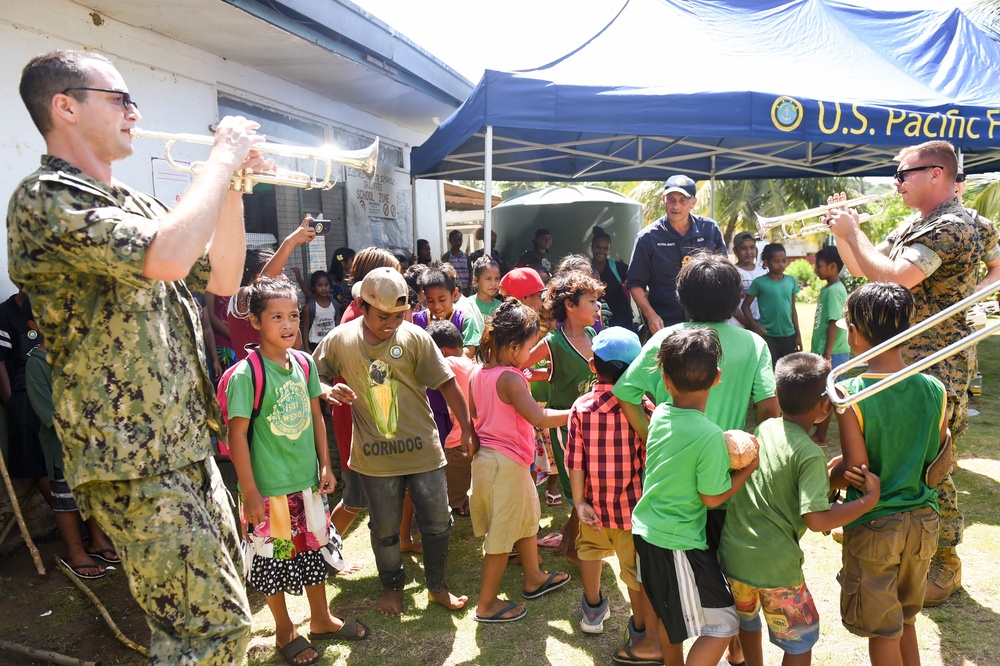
732,89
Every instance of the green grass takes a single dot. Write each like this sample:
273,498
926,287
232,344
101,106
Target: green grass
962,632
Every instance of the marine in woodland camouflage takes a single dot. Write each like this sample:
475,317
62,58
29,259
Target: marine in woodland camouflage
959,242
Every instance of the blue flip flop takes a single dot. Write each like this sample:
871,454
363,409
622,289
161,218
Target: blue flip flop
549,585
498,616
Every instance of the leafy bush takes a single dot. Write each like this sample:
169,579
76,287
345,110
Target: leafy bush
809,284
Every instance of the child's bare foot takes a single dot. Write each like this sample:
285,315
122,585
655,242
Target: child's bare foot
410,546
306,655
391,603
819,439
447,599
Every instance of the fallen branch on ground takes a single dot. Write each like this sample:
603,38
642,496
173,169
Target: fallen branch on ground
51,657
104,611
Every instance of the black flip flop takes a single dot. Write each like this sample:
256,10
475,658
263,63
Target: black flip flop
631,660
75,568
549,585
295,648
351,631
498,616
100,554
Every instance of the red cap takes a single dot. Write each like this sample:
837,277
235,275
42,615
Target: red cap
521,282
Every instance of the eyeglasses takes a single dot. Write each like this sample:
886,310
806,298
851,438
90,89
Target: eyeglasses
900,175
125,99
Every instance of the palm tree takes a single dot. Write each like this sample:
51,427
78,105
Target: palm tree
738,202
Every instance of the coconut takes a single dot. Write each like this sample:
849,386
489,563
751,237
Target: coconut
743,448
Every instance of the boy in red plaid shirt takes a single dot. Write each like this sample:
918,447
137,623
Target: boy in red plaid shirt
605,459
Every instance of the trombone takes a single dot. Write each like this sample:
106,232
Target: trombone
786,224
843,402
323,159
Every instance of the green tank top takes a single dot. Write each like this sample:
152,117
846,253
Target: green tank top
902,430
571,376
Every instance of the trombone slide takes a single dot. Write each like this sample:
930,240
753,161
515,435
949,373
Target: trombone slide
843,402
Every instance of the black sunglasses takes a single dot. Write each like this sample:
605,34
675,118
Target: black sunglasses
126,99
900,175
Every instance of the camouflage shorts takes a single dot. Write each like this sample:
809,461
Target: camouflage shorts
179,547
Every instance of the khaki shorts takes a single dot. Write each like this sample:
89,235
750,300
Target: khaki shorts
503,501
885,572
592,545
458,473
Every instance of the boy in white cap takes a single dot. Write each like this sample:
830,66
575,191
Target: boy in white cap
388,364
605,459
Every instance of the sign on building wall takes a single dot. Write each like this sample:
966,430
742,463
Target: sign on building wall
168,185
379,209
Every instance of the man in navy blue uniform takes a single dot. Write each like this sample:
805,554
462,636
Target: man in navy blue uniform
662,248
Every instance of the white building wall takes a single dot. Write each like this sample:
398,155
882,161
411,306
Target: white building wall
428,200
176,87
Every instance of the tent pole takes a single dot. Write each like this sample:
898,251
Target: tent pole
488,193
711,212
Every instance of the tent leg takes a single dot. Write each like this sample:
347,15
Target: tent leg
711,212
488,193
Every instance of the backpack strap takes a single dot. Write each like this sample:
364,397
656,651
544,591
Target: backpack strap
303,359
256,362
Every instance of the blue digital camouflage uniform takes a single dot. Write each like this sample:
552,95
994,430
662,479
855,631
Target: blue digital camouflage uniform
948,245
134,404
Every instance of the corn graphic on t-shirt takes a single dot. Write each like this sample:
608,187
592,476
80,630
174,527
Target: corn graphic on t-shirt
394,431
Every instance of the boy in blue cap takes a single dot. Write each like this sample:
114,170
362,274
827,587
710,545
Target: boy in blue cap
605,459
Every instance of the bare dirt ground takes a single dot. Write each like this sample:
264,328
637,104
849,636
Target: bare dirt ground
50,613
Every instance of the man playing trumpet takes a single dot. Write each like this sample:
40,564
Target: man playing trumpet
110,273
936,255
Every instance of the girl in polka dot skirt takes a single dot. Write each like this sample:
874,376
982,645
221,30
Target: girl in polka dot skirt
283,464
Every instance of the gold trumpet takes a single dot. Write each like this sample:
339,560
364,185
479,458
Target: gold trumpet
323,159
842,403
785,224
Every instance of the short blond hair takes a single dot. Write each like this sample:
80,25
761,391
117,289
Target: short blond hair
938,152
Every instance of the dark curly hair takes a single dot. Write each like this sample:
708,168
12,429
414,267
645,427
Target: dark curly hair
439,275
512,325
569,286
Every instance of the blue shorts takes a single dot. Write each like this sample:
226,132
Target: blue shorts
838,360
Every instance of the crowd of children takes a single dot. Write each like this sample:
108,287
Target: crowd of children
437,392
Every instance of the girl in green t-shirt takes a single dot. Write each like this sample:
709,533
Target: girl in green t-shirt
283,509
775,293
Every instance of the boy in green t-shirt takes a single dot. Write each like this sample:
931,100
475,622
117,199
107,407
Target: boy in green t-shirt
788,493
829,340
687,471
898,433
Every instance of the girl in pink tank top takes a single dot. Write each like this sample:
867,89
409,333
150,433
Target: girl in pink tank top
504,500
